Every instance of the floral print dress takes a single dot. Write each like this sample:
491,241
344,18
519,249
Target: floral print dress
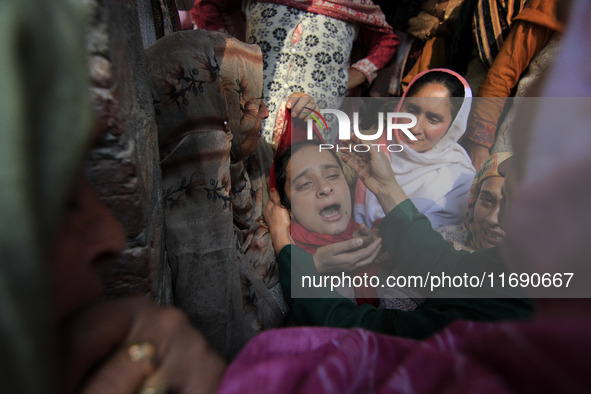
302,52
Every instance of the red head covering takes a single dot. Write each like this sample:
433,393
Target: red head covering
291,135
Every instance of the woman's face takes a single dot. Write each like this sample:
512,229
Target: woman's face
250,129
486,213
318,191
433,114
89,237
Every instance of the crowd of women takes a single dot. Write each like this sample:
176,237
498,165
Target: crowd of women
361,213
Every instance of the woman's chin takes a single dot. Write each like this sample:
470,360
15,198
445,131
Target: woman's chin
337,227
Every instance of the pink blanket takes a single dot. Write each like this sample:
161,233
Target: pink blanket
545,355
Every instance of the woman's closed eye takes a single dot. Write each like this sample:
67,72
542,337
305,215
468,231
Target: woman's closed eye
413,109
487,200
304,184
434,119
333,177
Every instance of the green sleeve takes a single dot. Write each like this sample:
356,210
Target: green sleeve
409,237
326,308
420,250
416,246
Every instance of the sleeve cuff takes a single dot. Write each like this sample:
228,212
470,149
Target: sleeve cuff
482,132
368,69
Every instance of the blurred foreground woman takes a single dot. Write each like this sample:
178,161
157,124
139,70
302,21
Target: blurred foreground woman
55,233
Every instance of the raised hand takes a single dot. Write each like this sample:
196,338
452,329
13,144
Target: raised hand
375,171
300,104
279,221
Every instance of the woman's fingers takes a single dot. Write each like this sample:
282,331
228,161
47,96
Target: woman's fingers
371,155
301,110
301,104
275,197
294,100
358,165
272,206
93,334
363,253
351,257
186,362
335,256
125,371
370,259
354,162
130,345
190,366
373,167
344,246
275,212
365,231
279,222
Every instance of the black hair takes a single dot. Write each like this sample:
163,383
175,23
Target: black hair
453,85
281,168
459,52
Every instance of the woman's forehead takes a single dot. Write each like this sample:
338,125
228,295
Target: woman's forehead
432,89
312,152
493,184
310,157
439,105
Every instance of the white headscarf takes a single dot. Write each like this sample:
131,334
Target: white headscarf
437,181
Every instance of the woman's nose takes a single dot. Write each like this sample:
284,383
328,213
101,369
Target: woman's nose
105,236
418,128
89,237
264,111
324,188
493,216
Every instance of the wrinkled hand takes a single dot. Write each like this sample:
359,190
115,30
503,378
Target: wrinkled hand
279,221
368,235
298,102
96,350
348,255
478,154
375,171
373,167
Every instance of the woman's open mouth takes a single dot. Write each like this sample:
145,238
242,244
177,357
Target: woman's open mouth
331,212
493,237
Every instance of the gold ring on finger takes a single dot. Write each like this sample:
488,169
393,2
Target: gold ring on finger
142,352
